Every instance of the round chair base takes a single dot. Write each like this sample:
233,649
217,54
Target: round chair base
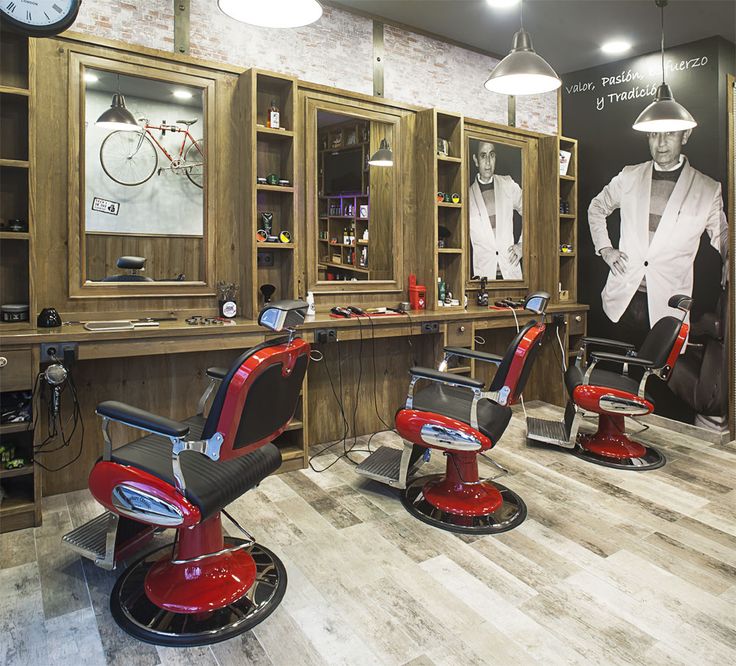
142,619
511,513
640,458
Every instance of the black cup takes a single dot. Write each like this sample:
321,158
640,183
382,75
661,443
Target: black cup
48,318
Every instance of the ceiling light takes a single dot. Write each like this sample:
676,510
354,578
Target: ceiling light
522,71
383,157
89,77
182,94
664,114
272,13
616,46
117,117
502,4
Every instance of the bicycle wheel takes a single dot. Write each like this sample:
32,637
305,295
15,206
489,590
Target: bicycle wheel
195,157
128,158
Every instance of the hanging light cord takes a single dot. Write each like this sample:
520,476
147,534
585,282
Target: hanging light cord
521,13
661,8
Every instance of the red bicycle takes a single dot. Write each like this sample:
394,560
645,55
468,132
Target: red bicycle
129,157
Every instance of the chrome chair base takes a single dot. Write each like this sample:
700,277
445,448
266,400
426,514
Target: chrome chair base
510,514
142,619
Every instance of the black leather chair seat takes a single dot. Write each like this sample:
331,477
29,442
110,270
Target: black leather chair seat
574,378
455,402
209,485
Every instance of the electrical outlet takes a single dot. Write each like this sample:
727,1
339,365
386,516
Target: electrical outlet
325,335
49,350
430,327
264,258
558,319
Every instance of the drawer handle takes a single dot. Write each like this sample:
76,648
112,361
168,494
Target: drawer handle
461,329
578,318
3,361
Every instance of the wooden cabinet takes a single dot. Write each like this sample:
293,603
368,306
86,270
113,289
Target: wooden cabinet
16,160
269,191
440,175
568,222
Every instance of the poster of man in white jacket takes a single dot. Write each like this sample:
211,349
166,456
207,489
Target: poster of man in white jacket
665,206
492,200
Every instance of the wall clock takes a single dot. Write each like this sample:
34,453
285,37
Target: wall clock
39,18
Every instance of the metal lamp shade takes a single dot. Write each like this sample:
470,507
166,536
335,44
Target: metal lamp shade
272,13
117,117
523,71
384,156
664,114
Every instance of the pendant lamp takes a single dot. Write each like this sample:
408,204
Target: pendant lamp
117,117
664,114
523,71
272,13
383,157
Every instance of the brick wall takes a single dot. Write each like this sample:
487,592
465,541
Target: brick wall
336,51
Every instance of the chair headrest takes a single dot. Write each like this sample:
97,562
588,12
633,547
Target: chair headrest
681,302
135,263
281,315
537,302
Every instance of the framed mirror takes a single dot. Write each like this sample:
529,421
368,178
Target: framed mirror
496,203
353,212
140,213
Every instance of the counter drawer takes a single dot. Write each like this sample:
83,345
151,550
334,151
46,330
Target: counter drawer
459,334
15,370
576,323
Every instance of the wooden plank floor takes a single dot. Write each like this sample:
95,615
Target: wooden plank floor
610,567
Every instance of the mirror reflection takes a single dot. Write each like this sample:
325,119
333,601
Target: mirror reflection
144,176
355,199
495,210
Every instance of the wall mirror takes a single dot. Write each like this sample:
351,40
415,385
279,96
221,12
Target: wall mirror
142,210
353,215
496,221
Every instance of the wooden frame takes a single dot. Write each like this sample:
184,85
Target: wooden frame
529,183
309,105
79,286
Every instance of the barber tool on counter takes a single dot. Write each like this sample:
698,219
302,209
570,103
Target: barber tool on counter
48,318
482,298
226,293
267,290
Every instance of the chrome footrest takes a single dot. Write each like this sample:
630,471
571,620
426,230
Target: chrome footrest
549,432
389,465
95,540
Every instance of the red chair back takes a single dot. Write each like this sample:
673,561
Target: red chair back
514,370
258,397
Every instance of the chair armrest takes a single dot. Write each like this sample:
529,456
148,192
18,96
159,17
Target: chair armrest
445,377
606,342
217,373
621,358
141,419
472,353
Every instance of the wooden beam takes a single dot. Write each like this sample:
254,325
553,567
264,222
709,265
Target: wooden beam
181,26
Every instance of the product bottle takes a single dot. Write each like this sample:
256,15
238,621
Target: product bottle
310,304
273,116
440,290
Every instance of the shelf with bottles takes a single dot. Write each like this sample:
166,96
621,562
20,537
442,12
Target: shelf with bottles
274,93
275,159
450,275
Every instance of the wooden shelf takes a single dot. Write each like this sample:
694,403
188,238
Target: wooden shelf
12,90
21,471
14,505
16,164
14,235
445,204
9,428
351,146
567,254
450,250
274,188
346,267
14,326
274,246
322,240
568,216
567,177
291,452
452,160
295,424
268,132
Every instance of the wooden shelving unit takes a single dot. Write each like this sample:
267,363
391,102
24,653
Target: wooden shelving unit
267,151
20,504
441,173
568,222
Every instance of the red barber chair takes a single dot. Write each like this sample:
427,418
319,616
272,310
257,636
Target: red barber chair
615,394
205,587
459,417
